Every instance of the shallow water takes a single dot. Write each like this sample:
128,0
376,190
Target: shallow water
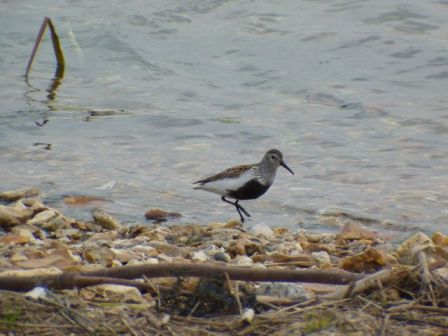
159,94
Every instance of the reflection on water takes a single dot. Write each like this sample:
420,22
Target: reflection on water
157,95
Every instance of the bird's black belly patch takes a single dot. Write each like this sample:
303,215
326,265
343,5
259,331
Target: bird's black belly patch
251,190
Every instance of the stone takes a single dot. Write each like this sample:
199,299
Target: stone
13,215
43,217
355,231
161,215
14,195
105,220
321,257
408,250
200,256
292,291
263,230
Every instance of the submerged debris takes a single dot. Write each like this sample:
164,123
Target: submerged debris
400,289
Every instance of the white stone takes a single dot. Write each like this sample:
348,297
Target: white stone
262,229
200,256
322,257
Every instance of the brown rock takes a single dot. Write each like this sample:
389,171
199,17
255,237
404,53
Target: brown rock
12,216
105,220
57,261
371,260
355,231
439,239
83,200
99,255
15,240
169,250
14,195
43,217
161,215
114,293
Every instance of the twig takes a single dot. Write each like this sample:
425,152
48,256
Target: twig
235,293
384,326
426,276
369,282
125,322
56,46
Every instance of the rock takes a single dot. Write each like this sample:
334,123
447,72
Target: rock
13,216
24,232
34,203
14,195
242,261
408,250
161,215
99,255
280,231
105,220
355,231
104,236
114,293
150,261
248,315
263,230
443,273
31,273
321,238
233,224
57,259
83,200
72,234
43,217
439,239
124,256
146,251
369,261
36,293
292,248
215,226
285,290
14,240
321,257
222,256
169,250
200,256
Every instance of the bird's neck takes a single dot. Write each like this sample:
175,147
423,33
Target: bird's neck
266,173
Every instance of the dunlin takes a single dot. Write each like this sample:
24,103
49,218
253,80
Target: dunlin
246,181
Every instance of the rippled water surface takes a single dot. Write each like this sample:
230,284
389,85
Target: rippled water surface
158,94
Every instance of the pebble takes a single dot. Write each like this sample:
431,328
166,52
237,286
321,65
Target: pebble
105,220
285,290
322,257
200,256
263,230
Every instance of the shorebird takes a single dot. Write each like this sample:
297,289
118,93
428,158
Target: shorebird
245,182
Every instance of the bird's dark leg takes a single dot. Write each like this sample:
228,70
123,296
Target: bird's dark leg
242,209
238,207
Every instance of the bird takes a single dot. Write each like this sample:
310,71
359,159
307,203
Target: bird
245,182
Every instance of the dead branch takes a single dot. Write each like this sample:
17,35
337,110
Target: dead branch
372,281
116,275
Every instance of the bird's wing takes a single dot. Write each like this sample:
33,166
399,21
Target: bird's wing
233,172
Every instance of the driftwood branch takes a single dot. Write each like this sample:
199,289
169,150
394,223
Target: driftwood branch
122,275
372,281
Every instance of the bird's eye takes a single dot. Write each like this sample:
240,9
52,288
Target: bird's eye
273,157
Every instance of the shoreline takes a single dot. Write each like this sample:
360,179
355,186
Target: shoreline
40,242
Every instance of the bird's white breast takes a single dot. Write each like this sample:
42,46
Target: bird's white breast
223,186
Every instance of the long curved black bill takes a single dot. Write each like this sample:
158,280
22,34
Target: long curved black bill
284,165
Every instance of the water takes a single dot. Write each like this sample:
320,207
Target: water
159,94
